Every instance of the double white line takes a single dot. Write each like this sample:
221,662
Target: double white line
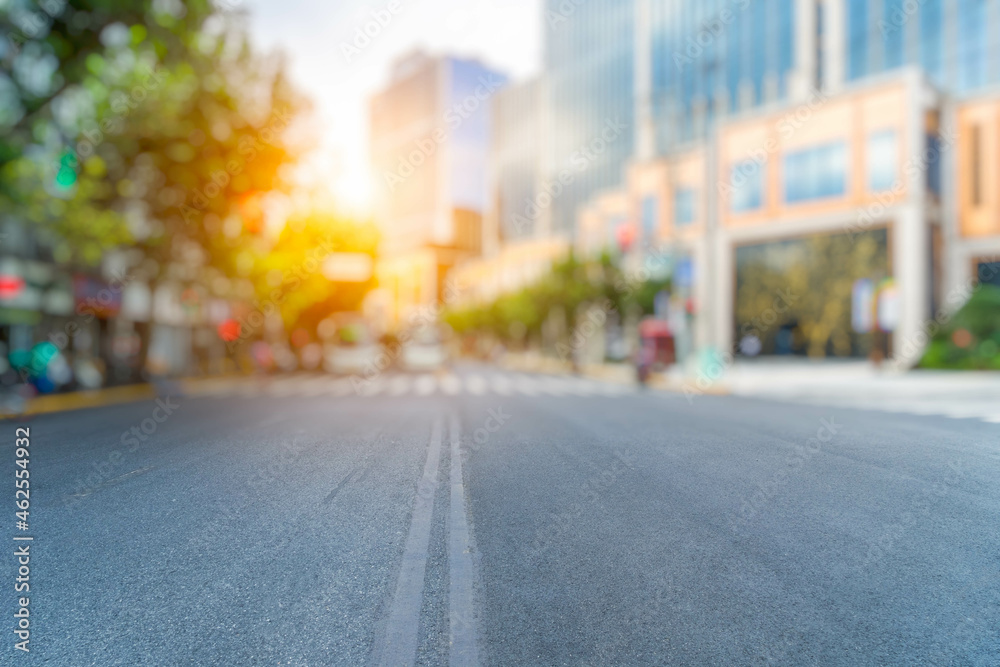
399,648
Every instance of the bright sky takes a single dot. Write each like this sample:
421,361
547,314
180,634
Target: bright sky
503,34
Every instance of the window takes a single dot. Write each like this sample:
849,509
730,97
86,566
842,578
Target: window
973,45
857,38
930,38
883,157
816,173
893,29
975,138
988,273
934,165
747,185
650,211
820,51
684,206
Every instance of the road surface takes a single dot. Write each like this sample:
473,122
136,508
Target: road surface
493,518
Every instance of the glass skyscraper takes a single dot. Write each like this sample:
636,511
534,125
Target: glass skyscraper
715,56
954,41
516,159
588,80
671,70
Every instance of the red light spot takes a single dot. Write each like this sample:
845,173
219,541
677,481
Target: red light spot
962,338
229,330
625,235
300,337
10,286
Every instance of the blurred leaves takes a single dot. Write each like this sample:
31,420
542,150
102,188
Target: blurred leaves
570,286
290,276
970,339
818,274
145,122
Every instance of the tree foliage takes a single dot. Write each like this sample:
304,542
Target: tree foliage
568,287
150,123
970,339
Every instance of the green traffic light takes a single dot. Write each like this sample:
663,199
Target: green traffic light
66,176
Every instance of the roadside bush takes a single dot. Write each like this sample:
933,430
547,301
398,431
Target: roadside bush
971,339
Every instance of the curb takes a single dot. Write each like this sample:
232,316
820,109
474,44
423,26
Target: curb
610,373
79,400
96,398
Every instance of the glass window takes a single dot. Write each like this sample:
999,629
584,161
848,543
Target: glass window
684,206
883,156
972,47
816,173
857,38
893,29
650,211
976,170
786,40
934,166
930,38
988,273
747,183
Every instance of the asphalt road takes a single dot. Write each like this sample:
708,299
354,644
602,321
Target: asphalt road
506,520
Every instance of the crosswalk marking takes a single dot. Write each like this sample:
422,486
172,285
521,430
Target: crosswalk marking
450,385
475,385
340,387
399,385
501,384
523,384
314,385
374,387
425,385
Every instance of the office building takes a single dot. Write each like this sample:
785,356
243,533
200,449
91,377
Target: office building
430,131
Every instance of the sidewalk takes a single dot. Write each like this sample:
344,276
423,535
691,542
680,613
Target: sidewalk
619,373
835,383
858,384
13,407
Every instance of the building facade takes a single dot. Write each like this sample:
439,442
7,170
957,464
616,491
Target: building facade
787,141
589,84
430,132
776,142
516,162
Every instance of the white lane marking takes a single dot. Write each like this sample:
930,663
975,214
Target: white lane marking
450,384
526,385
461,568
399,647
425,385
375,387
340,387
553,386
475,384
